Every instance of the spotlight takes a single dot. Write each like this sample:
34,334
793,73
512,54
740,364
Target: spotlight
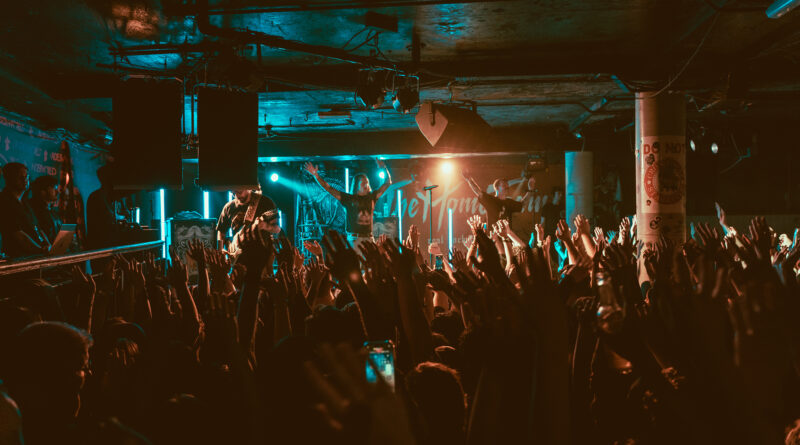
370,92
274,177
406,99
447,167
381,174
714,148
692,145
779,8
273,159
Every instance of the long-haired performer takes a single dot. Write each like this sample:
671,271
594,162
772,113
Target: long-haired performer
359,206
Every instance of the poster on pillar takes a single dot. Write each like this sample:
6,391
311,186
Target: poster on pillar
662,194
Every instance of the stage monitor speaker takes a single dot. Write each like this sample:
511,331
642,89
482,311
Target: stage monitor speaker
146,115
227,129
453,129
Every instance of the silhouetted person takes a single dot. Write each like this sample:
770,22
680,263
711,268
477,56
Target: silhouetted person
44,194
101,218
17,223
47,370
438,404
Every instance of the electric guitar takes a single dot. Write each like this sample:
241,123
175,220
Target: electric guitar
235,246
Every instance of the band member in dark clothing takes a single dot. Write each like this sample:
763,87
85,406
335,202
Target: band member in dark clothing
498,206
44,194
235,214
18,228
553,211
101,215
359,206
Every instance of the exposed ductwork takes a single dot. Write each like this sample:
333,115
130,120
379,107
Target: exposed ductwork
205,26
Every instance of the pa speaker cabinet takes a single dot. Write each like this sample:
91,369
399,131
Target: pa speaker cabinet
147,115
453,128
227,130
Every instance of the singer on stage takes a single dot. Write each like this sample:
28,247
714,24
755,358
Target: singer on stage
360,206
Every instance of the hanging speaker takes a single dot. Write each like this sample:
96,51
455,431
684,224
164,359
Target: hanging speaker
453,128
227,131
146,115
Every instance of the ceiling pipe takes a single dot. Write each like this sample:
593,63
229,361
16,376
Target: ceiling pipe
353,4
205,27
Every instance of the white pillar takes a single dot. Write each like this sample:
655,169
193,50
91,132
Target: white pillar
579,178
661,166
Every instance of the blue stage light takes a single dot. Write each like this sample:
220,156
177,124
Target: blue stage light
274,177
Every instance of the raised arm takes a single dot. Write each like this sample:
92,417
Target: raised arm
388,182
529,190
471,183
314,171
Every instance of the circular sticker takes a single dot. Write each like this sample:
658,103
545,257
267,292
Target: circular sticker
664,181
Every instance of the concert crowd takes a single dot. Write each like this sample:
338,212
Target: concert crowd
581,336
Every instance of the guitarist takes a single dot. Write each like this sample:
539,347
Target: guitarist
246,206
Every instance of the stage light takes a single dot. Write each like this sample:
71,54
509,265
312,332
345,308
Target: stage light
370,92
446,167
692,145
449,231
138,215
206,206
162,215
400,213
230,198
274,177
346,180
273,159
714,148
381,174
405,100
779,8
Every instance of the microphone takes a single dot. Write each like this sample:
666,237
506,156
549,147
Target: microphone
430,187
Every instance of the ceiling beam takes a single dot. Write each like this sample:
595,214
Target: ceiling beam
183,10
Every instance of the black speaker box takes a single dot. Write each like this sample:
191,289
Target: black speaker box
147,116
453,129
227,130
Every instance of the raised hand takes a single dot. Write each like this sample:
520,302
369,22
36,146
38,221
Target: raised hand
501,228
475,223
345,392
412,240
196,251
459,260
582,225
341,259
539,230
314,248
434,249
177,275
562,231
761,236
309,167
625,233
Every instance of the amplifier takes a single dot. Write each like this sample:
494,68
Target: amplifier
181,231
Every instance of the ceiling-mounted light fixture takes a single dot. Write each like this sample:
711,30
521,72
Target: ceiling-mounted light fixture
779,8
370,90
407,96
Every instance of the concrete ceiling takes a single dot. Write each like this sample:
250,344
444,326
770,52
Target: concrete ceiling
569,64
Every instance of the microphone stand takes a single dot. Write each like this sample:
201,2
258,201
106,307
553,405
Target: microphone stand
429,189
